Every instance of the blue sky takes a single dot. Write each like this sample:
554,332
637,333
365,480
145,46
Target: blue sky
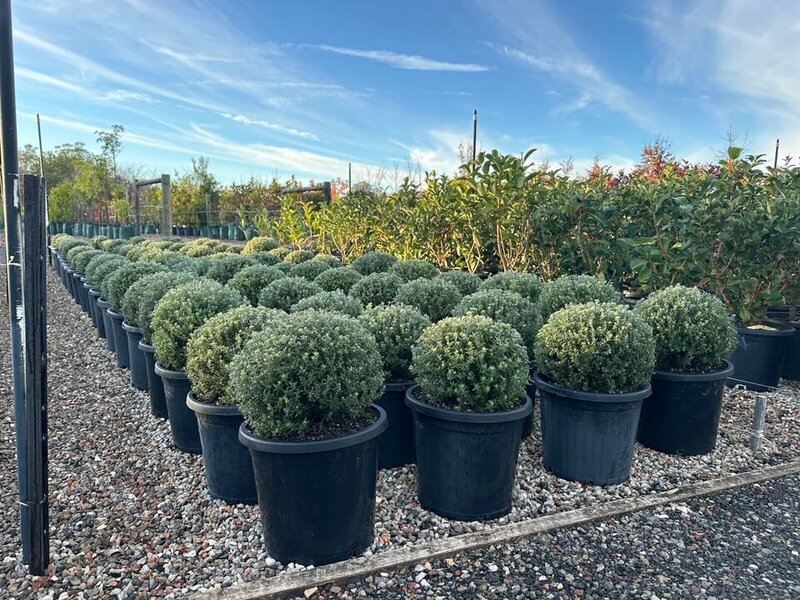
302,87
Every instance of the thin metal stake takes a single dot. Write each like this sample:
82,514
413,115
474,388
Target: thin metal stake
474,133
759,417
777,146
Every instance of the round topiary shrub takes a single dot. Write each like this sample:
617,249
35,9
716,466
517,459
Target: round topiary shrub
377,288
575,289
265,258
692,329
409,270
280,252
223,269
182,310
311,375
286,292
81,261
212,347
295,257
467,283
596,347
434,298
111,245
505,307
309,269
116,284
150,289
373,262
104,271
336,301
77,251
396,329
329,259
260,243
68,244
472,364
250,281
96,262
342,278
527,285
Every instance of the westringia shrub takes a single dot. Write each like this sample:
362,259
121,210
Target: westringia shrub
376,288
471,363
223,269
153,288
575,289
329,259
260,244
182,310
214,344
309,269
265,258
297,256
115,285
467,283
111,245
411,269
373,262
286,292
310,370
279,252
77,251
250,281
434,298
343,278
68,244
82,260
505,307
596,347
692,329
336,301
98,261
284,266
104,270
396,329
527,285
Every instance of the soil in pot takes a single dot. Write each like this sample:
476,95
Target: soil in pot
135,357
758,359
103,305
182,420
120,338
396,444
158,403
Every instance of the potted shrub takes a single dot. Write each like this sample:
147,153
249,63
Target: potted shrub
594,363
469,407
694,336
373,262
435,298
305,388
309,269
251,280
260,243
527,285
297,256
223,269
575,289
411,269
343,278
467,283
336,301
329,259
285,292
265,258
376,288
229,469
98,275
176,316
81,262
396,328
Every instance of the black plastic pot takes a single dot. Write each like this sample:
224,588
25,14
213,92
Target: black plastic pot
77,286
396,444
182,420
158,403
97,315
758,359
466,462
791,359
68,272
681,416
103,305
589,437
120,339
317,499
85,295
135,357
229,468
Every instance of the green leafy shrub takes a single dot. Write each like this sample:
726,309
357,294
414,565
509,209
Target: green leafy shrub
286,292
596,347
376,288
111,245
434,298
214,344
506,307
328,259
526,285
373,262
342,278
297,256
692,329
467,283
96,262
310,370
309,269
68,243
409,270
150,290
182,310
97,240
336,301
250,281
265,258
194,251
116,284
82,259
575,289
396,329
260,243
471,363
284,266
280,252
223,269
104,270
77,251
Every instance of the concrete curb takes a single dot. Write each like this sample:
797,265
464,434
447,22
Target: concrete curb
282,586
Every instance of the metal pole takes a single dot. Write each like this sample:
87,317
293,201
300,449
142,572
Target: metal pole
137,209
208,211
349,178
326,191
41,174
777,146
759,417
166,206
474,133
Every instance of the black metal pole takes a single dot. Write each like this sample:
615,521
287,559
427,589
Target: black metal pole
474,133
41,174
349,178
777,146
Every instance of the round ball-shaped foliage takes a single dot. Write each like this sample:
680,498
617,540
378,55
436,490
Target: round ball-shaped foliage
506,307
123,249
182,310
280,252
77,251
596,347
309,371
309,269
434,298
373,262
149,290
193,251
104,271
336,301
396,329
250,281
527,285
261,243
111,245
575,289
376,288
115,285
409,270
342,278
467,283
82,259
692,329
286,292
212,347
284,266
97,240
265,258
224,269
471,363
68,244
329,259
96,262
296,257
197,266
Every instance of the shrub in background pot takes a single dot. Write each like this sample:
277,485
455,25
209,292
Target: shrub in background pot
469,409
759,355
342,279
376,288
329,259
396,329
413,268
337,302
434,298
467,283
176,316
97,275
251,280
594,363
228,467
309,269
575,289
223,269
297,256
304,387
260,244
527,285
373,262
694,336
285,292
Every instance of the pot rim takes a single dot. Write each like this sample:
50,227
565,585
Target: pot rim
131,328
102,301
695,377
370,432
446,414
114,315
544,386
782,328
398,386
221,410
95,292
145,347
169,373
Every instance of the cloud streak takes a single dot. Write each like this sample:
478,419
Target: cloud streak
411,62
271,126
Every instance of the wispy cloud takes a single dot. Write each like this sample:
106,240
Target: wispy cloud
404,61
271,126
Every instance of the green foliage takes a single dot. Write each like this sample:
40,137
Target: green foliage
313,368
96,261
281,252
434,298
69,243
471,363
76,251
298,256
336,301
182,310
376,288
693,331
80,260
396,329
373,262
265,258
343,278
596,347
223,269
329,259
309,269
284,266
286,292
149,290
575,289
104,270
260,244
413,268
250,281
467,283
116,284
527,285
214,344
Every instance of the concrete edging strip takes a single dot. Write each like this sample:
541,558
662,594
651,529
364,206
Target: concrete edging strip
282,586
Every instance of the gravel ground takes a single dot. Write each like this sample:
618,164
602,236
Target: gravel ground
130,516
743,544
